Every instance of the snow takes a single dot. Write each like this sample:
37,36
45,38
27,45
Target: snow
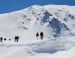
56,21
45,48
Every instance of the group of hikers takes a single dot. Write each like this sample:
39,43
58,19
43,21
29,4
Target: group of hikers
40,34
4,39
16,38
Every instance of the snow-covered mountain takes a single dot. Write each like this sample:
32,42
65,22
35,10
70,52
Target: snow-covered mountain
53,20
56,21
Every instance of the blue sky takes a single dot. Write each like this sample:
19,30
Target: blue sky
12,5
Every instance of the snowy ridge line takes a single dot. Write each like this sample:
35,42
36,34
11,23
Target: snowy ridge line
23,44
50,5
38,42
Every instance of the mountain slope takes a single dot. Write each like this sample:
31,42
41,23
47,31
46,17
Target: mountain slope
55,20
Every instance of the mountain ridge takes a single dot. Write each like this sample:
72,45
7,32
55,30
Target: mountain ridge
54,20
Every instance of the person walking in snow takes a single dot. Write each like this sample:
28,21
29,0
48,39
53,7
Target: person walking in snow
16,38
41,35
4,39
37,35
1,39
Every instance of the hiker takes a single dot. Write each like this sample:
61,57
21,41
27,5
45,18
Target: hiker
16,38
37,35
1,39
41,35
4,39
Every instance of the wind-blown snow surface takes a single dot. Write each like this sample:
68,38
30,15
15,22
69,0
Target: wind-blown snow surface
56,21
